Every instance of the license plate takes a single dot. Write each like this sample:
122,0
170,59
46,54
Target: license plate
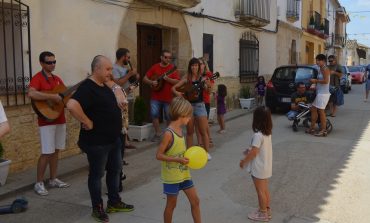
286,99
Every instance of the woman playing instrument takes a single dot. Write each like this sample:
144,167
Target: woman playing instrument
194,84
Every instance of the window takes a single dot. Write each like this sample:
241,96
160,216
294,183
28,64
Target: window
248,58
208,49
15,60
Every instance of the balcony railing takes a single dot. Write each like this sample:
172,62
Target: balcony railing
318,28
339,41
293,10
176,4
253,13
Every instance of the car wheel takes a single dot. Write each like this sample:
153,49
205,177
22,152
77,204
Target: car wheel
345,90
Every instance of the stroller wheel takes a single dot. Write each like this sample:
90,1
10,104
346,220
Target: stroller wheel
329,126
306,122
295,127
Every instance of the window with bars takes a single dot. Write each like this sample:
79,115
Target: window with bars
15,59
249,54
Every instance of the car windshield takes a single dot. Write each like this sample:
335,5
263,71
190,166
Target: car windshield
295,73
354,69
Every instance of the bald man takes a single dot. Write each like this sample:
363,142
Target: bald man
94,105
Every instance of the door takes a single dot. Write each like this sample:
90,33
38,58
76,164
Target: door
149,51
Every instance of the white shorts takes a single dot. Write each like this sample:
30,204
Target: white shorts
52,137
321,101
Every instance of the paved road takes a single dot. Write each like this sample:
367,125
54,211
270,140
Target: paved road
314,179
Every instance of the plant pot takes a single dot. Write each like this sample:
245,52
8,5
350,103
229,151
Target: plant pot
212,115
4,170
140,132
247,103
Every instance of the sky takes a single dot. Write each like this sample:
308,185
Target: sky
359,13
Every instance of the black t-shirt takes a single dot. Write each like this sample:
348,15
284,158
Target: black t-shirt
305,98
100,105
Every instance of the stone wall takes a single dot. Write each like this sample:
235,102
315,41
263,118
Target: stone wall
22,144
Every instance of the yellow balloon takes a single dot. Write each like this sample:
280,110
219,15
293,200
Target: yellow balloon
197,157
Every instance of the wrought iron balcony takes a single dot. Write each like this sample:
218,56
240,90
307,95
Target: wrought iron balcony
339,41
293,10
176,4
253,13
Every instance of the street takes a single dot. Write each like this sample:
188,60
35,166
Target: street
315,179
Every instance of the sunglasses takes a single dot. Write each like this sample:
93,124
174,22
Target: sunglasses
50,62
167,57
331,61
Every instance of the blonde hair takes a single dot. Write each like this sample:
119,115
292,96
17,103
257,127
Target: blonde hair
180,107
205,63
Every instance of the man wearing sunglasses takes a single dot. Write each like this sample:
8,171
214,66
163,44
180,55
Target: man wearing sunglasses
52,134
336,73
163,97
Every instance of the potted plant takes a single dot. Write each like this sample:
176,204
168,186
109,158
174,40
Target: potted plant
4,166
322,28
311,25
140,130
245,99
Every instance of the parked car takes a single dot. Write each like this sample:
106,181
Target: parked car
283,83
357,74
346,80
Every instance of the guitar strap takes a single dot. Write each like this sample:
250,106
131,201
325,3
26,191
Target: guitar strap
46,76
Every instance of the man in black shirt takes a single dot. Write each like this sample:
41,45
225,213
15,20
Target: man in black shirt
300,96
95,106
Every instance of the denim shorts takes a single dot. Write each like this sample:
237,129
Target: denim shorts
199,109
173,189
155,108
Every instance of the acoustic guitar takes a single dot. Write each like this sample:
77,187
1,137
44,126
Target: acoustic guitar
191,92
160,78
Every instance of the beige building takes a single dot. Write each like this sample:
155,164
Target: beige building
236,37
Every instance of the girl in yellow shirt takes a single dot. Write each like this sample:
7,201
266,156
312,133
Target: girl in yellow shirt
175,174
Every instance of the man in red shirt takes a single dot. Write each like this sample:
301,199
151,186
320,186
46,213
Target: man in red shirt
163,97
52,133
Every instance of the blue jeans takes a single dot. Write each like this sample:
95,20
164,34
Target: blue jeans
101,158
292,114
155,108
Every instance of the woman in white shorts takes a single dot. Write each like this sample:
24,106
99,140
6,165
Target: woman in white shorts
322,97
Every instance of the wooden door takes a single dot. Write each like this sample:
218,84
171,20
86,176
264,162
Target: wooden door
149,51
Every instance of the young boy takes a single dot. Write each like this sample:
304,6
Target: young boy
175,174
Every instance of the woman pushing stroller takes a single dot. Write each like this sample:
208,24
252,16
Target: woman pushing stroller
322,97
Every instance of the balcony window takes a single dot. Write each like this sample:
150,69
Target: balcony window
293,9
253,13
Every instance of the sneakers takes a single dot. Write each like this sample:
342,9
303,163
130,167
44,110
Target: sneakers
209,157
99,214
58,183
259,216
119,207
40,189
156,138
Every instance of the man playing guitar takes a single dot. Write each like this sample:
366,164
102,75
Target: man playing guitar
160,73
52,134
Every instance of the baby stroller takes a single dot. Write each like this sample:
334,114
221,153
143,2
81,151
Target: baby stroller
305,115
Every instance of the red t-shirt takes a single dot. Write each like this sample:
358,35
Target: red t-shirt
40,83
206,94
165,94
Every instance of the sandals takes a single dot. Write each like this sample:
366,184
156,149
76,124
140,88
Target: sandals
310,131
321,133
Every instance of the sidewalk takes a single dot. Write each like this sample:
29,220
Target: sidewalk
19,182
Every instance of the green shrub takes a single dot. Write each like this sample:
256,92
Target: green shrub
245,92
140,111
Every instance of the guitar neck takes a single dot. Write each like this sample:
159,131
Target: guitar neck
74,87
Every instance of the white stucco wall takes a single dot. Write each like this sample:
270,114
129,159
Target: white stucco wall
226,37
75,31
282,10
